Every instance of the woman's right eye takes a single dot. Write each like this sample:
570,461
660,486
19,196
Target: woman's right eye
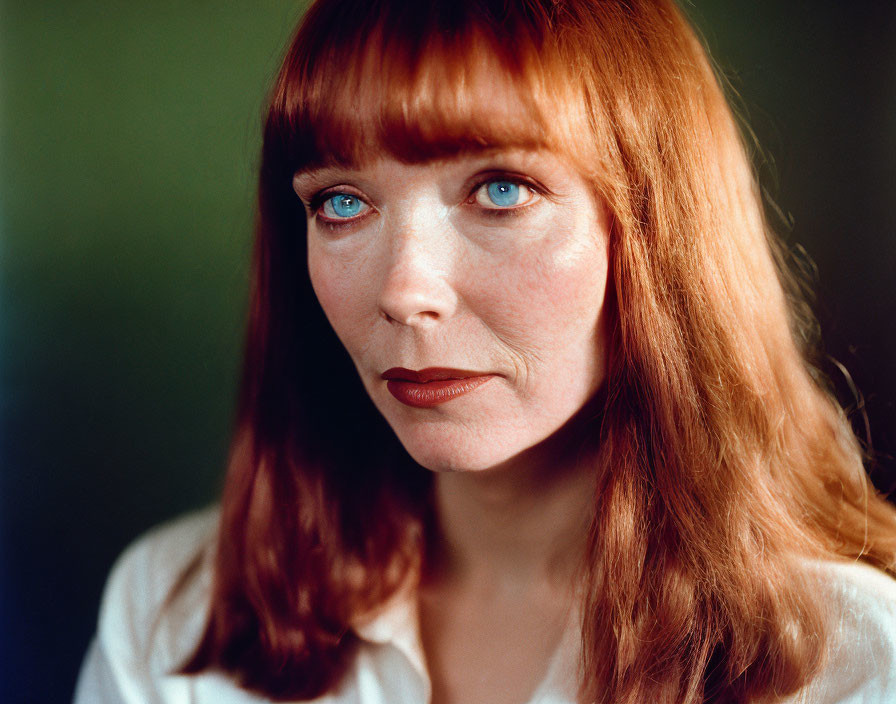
343,206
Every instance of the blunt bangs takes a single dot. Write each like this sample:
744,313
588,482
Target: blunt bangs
421,83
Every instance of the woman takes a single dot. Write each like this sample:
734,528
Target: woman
534,231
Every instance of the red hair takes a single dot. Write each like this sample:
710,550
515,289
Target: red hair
719,459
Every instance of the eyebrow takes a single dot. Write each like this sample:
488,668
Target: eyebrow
310,178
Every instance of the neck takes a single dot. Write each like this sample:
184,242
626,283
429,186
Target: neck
521,525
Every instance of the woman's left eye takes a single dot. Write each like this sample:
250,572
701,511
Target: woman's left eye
343,206
503,194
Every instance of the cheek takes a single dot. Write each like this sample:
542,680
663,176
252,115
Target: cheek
548,298
339,290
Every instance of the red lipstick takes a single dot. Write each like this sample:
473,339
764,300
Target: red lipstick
431,386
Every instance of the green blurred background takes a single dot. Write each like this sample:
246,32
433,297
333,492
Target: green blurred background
129,135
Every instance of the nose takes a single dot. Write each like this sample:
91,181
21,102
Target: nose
416,288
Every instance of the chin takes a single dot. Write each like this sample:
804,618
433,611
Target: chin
451,459
442,463
464,452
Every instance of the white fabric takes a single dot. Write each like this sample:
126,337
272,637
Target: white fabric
139,643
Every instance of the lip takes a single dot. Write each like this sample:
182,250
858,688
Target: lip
431,386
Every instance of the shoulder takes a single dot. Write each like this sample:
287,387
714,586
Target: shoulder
151,563
860,602
156,599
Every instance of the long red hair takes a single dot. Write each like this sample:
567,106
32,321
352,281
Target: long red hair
719,458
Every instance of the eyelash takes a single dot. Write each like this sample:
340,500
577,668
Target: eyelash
317,202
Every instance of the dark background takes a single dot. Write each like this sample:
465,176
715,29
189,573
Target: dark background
129,135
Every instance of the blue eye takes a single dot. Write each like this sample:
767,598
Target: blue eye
498,195
343,205
503,193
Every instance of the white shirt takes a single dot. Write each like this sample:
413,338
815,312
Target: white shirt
139,643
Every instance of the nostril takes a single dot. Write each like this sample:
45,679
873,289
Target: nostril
418,308
393,314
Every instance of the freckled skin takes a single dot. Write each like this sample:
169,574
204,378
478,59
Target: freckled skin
429,277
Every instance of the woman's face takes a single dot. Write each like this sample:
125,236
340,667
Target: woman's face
469,293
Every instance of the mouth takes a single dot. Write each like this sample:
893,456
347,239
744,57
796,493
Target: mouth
431,386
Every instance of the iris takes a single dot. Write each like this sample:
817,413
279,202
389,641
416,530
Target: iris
344,205
503,193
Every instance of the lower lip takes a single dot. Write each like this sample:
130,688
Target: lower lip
433,393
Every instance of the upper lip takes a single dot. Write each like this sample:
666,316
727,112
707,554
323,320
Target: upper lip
429,374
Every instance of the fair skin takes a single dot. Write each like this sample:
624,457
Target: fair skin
495,263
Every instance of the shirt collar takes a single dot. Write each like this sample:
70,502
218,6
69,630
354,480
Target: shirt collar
396,623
